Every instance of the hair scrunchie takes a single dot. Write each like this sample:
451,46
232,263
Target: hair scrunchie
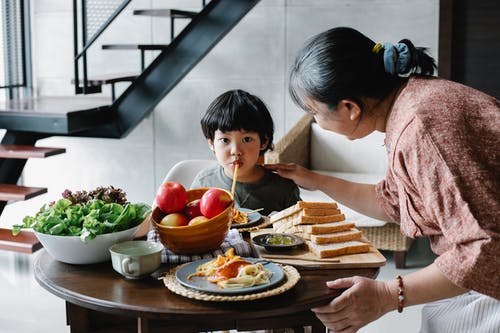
397,59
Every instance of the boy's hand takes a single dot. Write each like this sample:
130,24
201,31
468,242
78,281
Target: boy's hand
303,177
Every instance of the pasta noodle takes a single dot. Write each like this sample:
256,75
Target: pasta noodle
248,276
235,176
239,217
231,271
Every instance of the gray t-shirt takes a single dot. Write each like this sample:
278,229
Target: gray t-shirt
272,192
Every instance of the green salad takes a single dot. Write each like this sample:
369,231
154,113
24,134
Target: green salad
86,214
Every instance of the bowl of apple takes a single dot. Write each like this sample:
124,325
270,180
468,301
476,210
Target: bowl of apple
193,221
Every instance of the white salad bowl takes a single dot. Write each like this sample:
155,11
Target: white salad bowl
72,250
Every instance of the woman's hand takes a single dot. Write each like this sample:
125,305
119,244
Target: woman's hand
363,301
303,177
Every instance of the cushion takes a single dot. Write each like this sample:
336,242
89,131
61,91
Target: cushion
333,152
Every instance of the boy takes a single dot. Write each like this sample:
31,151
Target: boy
239,129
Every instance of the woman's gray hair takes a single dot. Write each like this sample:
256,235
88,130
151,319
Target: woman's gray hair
341,63
310,72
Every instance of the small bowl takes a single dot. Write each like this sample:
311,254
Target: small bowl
72,250
136,259
197,238
278,241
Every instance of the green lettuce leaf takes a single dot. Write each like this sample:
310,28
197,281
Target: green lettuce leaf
86,220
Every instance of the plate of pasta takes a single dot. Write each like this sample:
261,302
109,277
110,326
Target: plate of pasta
230,274
244,217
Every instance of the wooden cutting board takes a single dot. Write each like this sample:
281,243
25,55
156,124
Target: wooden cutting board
303,258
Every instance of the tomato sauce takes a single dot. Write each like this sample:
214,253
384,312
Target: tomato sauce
228,270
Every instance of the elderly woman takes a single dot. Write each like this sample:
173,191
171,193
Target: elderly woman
442,141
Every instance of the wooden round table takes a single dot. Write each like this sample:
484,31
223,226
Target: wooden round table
98,299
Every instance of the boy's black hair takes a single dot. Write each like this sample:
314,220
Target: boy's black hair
237,110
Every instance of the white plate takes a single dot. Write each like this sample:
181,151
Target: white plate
201,284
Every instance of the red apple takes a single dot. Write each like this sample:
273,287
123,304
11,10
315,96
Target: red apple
171,197
192,209
214,201
175,220
198,220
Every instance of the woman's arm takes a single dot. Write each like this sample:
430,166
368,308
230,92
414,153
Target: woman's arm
366,300
426,285
360,197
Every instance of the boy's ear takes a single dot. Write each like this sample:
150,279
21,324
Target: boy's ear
264,144
210,144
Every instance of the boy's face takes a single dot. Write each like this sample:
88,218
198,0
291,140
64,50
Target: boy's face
241,146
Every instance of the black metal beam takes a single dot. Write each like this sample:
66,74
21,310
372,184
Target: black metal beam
165,72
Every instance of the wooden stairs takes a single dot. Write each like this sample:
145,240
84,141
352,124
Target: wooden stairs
26,241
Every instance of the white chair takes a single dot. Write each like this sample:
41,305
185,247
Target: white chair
184,171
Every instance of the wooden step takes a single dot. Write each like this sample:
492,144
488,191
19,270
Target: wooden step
175,13
19,193
142,47
25,241
25,152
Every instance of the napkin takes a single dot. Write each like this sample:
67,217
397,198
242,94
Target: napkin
233,239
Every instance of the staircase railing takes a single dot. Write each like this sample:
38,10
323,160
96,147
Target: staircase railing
195,41
95,17
15,64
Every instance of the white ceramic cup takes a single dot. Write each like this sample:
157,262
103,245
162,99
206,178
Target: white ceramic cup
136,259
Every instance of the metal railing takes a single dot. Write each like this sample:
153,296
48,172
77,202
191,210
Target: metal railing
15,60
94,17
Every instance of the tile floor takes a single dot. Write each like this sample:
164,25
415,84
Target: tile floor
28,308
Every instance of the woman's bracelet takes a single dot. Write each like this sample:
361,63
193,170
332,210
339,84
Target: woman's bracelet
401,293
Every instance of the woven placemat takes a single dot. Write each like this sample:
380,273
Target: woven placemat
292,276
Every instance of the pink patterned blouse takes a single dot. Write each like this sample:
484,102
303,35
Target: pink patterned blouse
443,144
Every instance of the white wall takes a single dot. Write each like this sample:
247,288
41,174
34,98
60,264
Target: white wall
254,56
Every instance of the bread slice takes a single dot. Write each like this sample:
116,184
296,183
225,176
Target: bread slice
311,204
306,219
326,228
320,208
284,213
299,218
307,230
321,211
336,237
337,249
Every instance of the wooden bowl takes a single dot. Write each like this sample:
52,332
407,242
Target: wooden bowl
198,238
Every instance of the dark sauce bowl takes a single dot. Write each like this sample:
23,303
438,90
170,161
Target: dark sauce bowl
278,241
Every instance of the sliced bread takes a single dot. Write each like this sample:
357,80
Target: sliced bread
284,213
299,218
311,204
321,211
326,228
336,237
314,208
337,249
306,230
